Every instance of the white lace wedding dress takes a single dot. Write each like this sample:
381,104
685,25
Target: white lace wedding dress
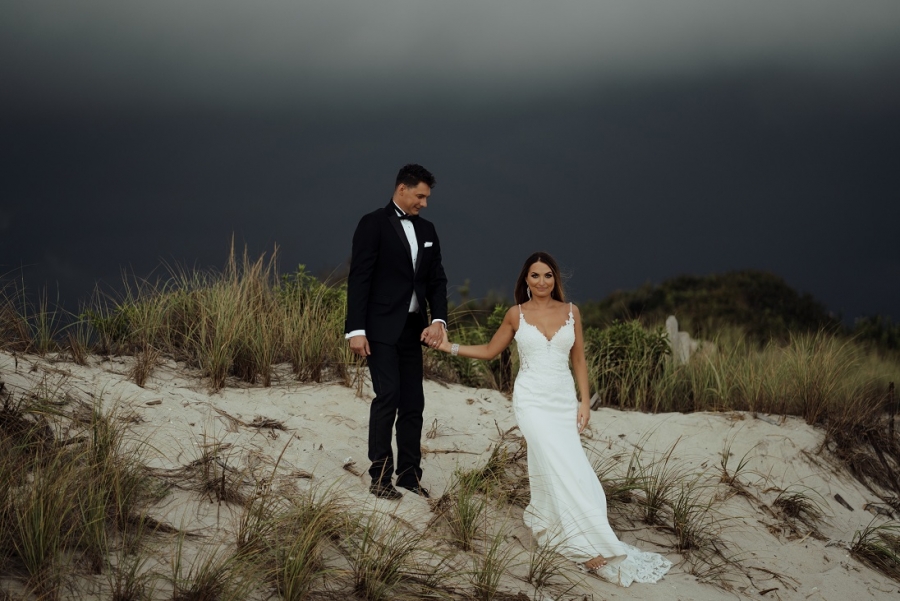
568,506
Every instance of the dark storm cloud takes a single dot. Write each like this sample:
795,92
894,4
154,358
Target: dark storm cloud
635,140
235,52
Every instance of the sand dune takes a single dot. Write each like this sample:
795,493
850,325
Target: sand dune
319,432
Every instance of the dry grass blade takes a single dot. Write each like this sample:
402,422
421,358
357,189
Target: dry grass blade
63,499
489,566
504,475
381,553
42,514
145,361
797,503
78,347
657,482
259,422
213,574
729,475
691,522
711,567
546,564
462,508
298,540
619,489
130,579
213,476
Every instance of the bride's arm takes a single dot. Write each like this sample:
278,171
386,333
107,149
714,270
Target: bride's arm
579,366
501,339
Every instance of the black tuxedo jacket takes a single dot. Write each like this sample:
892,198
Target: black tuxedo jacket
382,278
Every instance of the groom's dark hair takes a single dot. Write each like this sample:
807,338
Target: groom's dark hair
411,175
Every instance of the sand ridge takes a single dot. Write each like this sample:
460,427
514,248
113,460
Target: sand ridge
321,429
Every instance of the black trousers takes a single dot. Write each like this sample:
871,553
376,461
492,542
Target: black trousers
396,371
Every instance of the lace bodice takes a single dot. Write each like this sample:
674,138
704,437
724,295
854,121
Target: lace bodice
536,349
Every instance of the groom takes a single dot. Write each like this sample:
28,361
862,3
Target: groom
395,271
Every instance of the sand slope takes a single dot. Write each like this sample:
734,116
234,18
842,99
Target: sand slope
326,426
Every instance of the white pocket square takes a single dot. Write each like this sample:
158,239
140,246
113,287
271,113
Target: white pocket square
427,244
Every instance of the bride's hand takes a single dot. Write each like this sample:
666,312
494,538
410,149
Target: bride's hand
445,343
584,416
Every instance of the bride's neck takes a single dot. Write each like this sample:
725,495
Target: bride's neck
541,304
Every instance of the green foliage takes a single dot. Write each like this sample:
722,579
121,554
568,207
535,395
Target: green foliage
760,303
624,360
879,331
113,327
466,328
302,287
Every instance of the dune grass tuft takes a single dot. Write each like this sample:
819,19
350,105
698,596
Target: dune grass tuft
879,547
71,486
462,508
802,504
489,566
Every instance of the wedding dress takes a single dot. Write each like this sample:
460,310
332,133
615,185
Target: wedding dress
568,506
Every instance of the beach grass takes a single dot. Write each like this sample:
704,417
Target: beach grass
243,320
73,496
878,545
71,487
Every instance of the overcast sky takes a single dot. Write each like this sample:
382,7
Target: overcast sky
636,140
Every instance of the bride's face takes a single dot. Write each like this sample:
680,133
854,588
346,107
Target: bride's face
540,280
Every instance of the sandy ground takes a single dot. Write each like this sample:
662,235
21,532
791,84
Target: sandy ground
326,427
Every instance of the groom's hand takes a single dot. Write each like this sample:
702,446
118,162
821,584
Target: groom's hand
433,335
360,346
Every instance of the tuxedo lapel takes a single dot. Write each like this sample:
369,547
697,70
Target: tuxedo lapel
420,238
398,227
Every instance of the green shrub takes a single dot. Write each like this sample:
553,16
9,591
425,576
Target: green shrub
624,360
465,329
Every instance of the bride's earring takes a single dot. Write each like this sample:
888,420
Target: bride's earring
528,290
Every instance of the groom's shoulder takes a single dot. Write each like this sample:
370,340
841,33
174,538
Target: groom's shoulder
379,212
373,217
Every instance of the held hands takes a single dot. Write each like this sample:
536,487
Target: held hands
584,416
445,343
433,335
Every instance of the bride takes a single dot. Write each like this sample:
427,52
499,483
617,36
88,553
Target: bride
568,506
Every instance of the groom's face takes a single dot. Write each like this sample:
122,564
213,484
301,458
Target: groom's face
412,200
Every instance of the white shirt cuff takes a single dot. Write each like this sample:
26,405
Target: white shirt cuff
355,333
433,321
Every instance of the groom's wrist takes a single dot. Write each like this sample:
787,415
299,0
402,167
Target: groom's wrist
440,321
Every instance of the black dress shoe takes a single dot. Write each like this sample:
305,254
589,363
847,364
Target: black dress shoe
419,490
385,491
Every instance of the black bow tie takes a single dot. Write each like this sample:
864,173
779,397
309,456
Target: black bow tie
408,216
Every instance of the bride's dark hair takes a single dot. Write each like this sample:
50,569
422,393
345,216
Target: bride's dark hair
521,290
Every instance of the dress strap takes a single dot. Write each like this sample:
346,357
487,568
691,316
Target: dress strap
521,315
570,311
